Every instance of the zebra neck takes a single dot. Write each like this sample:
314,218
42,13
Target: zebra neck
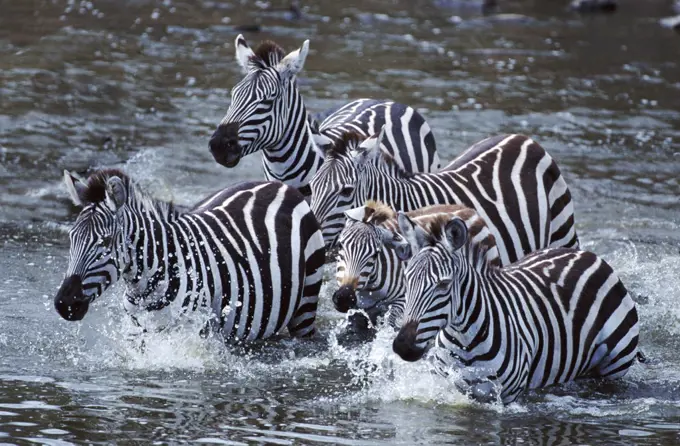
155,252
294,159
469,332
397,190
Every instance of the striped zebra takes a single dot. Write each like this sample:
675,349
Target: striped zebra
557,315
510,180
371,261
251,254
267,113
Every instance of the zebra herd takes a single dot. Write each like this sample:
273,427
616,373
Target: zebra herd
478,259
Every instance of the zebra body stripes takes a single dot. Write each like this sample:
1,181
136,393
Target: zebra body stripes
370,266
510,180
557,315
251,254
267,114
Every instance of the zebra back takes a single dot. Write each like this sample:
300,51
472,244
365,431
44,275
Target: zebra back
510,180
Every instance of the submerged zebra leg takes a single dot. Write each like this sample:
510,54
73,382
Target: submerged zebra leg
303,322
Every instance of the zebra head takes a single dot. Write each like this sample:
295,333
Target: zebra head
334,186
96,241
430,279
261,103
362,259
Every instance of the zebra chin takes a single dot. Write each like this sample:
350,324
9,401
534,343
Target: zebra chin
70,302
344,298
405,343
224,145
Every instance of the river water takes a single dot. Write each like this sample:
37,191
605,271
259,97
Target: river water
141,85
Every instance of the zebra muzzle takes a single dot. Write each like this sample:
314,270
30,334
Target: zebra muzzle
345,298
70,302
224,145
405,343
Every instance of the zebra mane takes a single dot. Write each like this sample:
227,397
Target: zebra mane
378,212
342,147
481,244
95,192
267,54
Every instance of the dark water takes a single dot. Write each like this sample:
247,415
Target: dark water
142,84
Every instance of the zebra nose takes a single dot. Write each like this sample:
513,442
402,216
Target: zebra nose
70,302
405,343
224,145
344,299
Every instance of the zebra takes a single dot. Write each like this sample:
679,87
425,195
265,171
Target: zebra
251,254
510,180
370,266
557,315
267,113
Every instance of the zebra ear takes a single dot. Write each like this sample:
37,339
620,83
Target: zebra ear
381,137
397,242
456,232
322,143
414,234
76,187
243,52
357,214
292,64
367,151
116,193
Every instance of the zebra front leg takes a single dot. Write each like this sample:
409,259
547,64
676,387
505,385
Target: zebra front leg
478,384
211,326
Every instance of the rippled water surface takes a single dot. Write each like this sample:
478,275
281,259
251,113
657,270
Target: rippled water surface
141,84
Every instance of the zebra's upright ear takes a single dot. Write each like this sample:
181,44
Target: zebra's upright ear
322,143
243,52
456,233
292,64
397,242
412,232
359,214
368,151
76,187
116,193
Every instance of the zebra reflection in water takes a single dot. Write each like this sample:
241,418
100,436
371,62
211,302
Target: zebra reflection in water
252,254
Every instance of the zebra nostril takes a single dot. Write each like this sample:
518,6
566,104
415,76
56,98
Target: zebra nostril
344,299
69,301
405,343
225,148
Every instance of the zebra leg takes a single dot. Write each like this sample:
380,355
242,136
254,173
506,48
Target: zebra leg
303,322
211,326
478,384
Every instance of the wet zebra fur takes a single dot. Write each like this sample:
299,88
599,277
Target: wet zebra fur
250,255
267,113
510,180
370,266
556,315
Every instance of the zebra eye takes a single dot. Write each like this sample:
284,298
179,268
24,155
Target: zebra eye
106,240
347,191
443,285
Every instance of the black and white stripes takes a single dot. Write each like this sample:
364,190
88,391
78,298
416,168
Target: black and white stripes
371,262
555,316
510,180
252,254
267,114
